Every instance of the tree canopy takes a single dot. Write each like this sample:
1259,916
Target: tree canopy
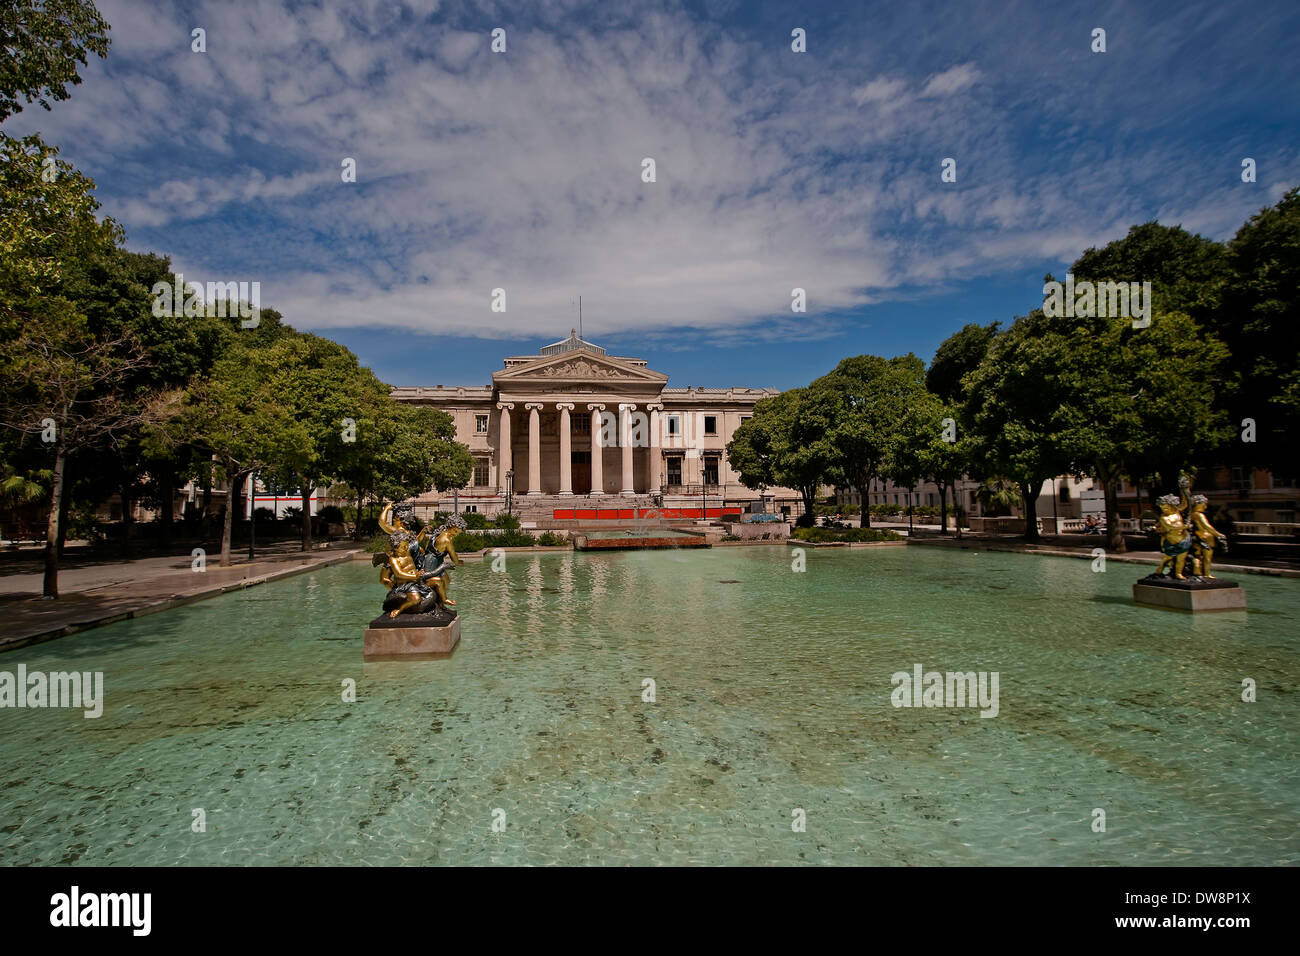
44,41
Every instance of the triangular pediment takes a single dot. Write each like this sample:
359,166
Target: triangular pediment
577,366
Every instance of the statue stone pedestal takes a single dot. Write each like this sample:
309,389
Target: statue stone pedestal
412,637
1194,594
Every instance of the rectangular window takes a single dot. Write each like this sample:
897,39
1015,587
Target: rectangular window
674,471
471,507
1243,479
480,472
710,469
582,424
710,424
1284,516
480,424
674,424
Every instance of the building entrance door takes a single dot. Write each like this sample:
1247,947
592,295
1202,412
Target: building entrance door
581,472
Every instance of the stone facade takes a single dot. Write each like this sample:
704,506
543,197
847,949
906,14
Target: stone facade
573,422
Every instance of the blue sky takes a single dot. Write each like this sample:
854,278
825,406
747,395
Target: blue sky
774,169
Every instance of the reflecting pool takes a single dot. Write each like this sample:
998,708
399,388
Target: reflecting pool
772,694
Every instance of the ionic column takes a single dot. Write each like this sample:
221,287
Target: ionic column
656,459
503,445
597,462
625,411
566,454
534,448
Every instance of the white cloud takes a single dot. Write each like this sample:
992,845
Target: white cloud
880,90
952,80
522,171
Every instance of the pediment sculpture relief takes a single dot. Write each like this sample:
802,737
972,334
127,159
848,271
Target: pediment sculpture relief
579,369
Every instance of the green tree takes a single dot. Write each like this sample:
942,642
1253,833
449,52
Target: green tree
69,389
1260,324
402,451
958,355
930,448
59,381
330,396
240,420
423,453
43,43
866,401
1187,272
1135,401
785,444
1008,412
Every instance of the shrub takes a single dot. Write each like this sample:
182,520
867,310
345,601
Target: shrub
331,514
507,522
474,520
549,539
83,525
731,537
833,509
509,538
818,535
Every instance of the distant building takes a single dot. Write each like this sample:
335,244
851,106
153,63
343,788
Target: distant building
535,435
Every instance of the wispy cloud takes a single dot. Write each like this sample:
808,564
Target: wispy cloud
522,170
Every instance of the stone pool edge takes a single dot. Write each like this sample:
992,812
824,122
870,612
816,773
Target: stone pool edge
977,544
153,606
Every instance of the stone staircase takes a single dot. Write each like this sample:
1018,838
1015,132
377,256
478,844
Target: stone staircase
543,507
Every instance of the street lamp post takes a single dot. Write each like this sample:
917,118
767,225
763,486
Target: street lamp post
510,489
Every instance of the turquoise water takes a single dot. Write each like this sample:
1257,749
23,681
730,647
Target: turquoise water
772,694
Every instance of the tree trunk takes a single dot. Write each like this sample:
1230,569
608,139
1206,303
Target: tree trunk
50,585
128,524
1030,494
809,517
166,495
864,492
306,513
356,524
227,525
65,503
956,511
943,507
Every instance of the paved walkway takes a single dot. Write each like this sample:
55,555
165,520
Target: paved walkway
92,593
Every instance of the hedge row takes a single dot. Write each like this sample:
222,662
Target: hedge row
819,535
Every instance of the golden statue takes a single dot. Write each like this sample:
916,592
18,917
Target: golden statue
417,567
1175,542
1206,537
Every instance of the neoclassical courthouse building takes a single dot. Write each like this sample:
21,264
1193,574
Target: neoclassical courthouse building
534,434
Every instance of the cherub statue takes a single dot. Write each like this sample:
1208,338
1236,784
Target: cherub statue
416,568
1175,542
1206,537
